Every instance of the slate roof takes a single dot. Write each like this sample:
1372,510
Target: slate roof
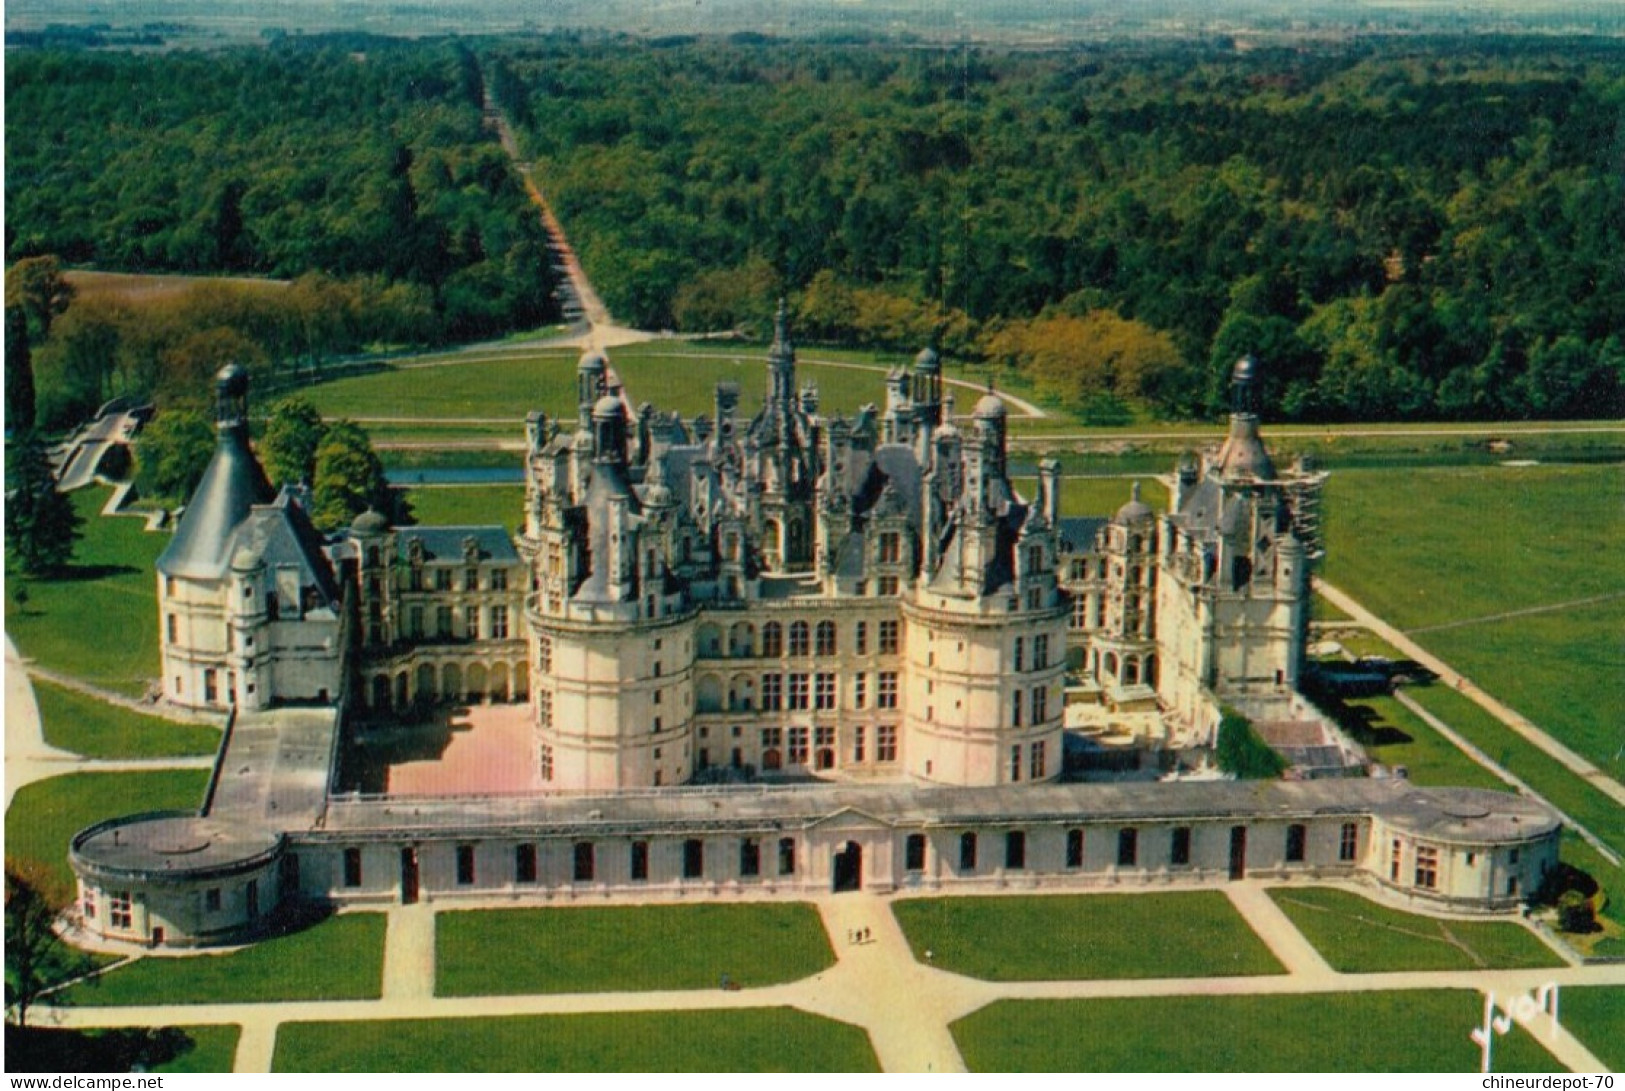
232,484
1078,534
446,543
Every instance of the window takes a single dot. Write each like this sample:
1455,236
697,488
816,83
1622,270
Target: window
499,623
524,864
465,865
693,858
1018,659
544,654
174,628
640,861
499,579
824,691
471,622
798,691
824,638
967,852
89,904
772,640
352,867
442,579
251,896
118,910
1040,651
823,736
1035,599
1128,847
471,579
1427,867
1297,841
886,743
860,691
888,638
750,858
1015,850
1395,854
442,621
798,638
857,744
1040,703
1037,767
772,692
211,686
544,760
583,862
787,856
863,638
914,852
891,547
211,900
1015,763
1074,848
1016,702
798,746
888,586
414,622
1080,612
886,690
1179,853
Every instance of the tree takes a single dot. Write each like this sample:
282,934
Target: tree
173,452
292,435
38,286
36,957
349,477
41,525
19,372
1242,753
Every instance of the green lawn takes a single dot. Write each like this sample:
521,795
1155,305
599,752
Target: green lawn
741,1040
44,815
469,505
153,1049
626,948
1098,496
1421,1031
1473,543
1596,1016
1394,735
341,958
1511,751
97,729
1356,935
1066,937
110,589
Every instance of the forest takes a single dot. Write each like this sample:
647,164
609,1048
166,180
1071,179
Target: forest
1399,228
356,166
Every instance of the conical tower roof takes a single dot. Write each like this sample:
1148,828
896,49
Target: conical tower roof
233,483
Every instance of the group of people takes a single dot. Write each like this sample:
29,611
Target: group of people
859,935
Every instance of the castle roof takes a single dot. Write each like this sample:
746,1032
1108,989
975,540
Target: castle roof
446,543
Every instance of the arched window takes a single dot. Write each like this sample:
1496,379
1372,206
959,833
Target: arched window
772,640
824,642
798,638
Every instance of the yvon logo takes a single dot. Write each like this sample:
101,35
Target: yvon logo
1520,1009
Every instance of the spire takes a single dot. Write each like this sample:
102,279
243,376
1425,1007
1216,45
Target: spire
781,361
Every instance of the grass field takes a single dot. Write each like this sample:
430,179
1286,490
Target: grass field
1511,751
1071,937
109,589
1394,735
625,948
341,958
1472,544
97,729
1421,1031
1596,1016
1356,935
43,816
470,505
742,1040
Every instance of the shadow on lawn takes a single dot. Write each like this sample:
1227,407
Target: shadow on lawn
47,1049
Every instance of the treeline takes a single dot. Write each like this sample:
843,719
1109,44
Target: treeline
1399,229
362,159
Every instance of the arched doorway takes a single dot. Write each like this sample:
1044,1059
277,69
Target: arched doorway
849,868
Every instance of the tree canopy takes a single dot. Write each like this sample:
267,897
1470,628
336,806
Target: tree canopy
41,523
